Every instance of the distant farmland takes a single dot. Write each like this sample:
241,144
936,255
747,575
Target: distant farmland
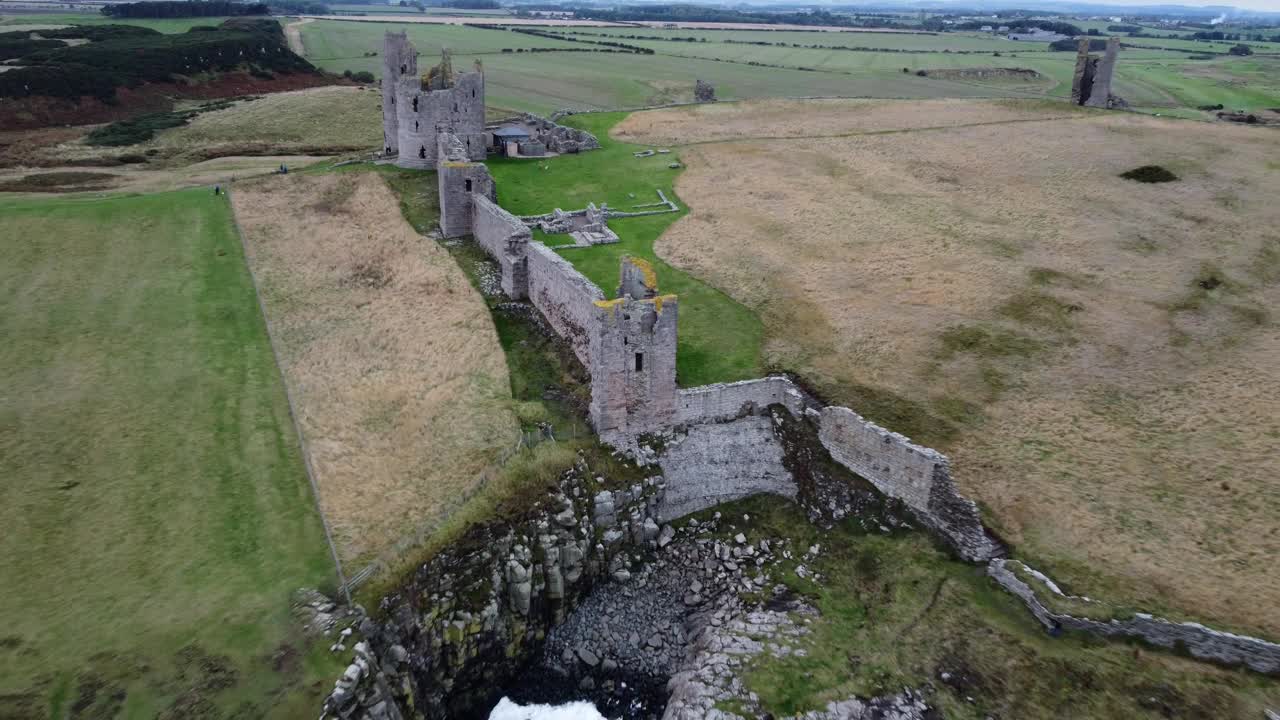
541,74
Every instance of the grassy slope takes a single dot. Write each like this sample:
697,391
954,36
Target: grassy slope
719,338
154,494
898,613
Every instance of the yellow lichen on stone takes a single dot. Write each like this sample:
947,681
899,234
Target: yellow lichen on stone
657,302
646,269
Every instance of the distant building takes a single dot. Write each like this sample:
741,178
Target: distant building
1002,29
1037,35
985,28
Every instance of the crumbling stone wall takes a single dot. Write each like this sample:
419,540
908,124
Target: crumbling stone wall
565,297
1196,639
506,239
725,401
918,476
558,138
717,463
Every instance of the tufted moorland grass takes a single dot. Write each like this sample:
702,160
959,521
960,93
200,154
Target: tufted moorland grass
154,497
719,337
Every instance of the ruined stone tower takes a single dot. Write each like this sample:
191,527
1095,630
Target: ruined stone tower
1091,84
416,109
633,363
399,59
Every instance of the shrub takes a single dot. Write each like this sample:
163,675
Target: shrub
1240,49
1149,174
364,76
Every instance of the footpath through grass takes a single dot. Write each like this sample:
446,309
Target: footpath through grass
155,509
720,338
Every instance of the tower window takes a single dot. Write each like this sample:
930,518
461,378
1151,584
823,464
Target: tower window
415,126
639,362
415,104
468,184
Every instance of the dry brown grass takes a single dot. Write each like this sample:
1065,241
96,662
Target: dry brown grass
391,357
821,118
1044,321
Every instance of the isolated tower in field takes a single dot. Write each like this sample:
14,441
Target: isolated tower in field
417,108
1091,85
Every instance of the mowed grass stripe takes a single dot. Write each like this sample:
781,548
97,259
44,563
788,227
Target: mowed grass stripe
154,494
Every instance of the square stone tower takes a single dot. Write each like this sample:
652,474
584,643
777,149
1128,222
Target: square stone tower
633,363
399,60
441,100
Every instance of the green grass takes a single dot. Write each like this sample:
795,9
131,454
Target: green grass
154,495
164,25
719,338
896,612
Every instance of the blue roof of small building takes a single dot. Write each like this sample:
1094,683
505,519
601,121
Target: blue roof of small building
510,131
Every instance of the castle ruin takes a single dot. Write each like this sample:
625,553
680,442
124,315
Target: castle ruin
1091,84
416,109
627,343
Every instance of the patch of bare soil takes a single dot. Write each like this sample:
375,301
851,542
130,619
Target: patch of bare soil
392,360
719,122
1098,356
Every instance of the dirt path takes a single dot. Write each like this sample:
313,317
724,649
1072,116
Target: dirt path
293,33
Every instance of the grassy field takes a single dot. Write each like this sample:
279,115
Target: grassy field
1147,77
1076,341
719,338
543,82
397,376
157,516
896,612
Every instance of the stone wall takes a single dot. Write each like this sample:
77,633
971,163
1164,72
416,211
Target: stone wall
918,476
718,463
565,297
725,401
506,240
1193,638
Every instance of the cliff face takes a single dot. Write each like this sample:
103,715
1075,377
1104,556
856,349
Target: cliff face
588,589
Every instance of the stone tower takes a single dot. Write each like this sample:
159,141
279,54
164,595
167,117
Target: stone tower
441,100
458,180
1091,84
633,363
399,60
